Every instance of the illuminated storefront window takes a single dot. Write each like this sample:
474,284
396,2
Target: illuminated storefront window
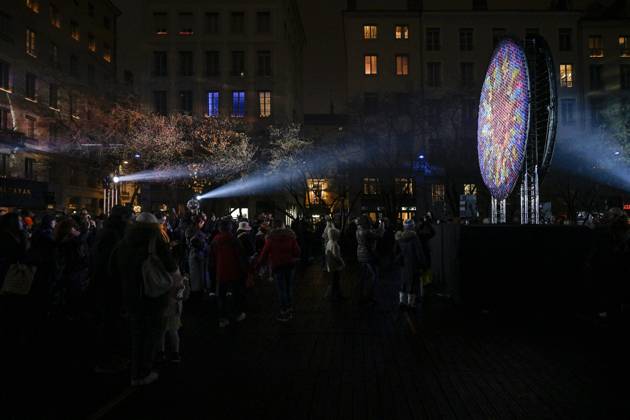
404,186
238,103
624,45
213,103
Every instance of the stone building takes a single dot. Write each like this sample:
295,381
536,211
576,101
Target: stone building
57,61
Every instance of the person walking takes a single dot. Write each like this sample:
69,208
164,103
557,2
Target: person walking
334,263
411,259
283,252
227,261
367,240
146,314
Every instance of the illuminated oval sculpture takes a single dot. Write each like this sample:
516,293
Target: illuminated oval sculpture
504,119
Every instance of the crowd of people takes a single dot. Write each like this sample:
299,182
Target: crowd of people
106,272
129,275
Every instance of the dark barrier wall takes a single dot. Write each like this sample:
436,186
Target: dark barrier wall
512,266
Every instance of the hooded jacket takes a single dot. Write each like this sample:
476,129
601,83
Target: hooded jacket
281,248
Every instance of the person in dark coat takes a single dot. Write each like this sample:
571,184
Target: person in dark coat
72,261
227,260
412,261
42,255
106,291
367,240
146,314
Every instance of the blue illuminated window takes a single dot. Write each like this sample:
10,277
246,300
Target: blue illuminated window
213,103
238,103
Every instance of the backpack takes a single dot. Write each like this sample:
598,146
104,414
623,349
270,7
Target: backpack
157,281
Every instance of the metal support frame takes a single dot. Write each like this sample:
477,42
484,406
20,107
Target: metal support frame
498,210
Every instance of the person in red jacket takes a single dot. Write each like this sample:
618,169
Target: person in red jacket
283,252
228,262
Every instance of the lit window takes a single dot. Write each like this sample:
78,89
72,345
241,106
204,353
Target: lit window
213,103
264,100
595,46
91,43
433,39
404,186
624,46
31,43
401,32
402,65
186,24
107,53
317,194
371,186
566,75
238,103
370,65
160,21
33,5
370,31
437,193
55,17
470,189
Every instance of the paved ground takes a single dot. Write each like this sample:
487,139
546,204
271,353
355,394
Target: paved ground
346,361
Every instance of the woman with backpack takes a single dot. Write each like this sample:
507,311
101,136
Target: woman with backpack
143,243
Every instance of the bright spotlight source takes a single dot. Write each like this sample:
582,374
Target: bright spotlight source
137,155
116,180
126,162
199,197
617,153
421,157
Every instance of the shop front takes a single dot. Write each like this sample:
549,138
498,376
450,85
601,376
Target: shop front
18,193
